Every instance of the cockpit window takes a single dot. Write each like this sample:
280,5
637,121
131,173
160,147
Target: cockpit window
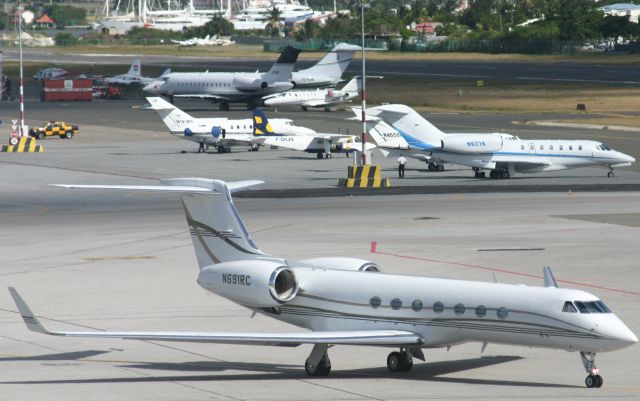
592,307
605,147
569,307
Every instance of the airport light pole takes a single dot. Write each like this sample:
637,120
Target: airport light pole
363,92
21,127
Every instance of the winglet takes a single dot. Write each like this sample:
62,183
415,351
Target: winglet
29,318
549,280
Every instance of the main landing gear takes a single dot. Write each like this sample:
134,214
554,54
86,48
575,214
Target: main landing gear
589,363
400,361
318,362
320,155
435,167
503,174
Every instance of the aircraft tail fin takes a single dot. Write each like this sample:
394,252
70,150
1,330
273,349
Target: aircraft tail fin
134,70
166,72
174,118
334,63
217,232
355,85
261,124
415,129
283,67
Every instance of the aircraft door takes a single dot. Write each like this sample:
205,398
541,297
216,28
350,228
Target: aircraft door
532,148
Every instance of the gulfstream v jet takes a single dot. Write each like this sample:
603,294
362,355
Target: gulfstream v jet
347,301
501,154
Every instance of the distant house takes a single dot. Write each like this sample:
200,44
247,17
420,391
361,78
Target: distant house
629,10
45,22
427,28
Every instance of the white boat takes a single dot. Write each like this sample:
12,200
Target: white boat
256,15
149,16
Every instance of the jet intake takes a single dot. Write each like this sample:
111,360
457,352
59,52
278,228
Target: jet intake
256,283
337,263
466,143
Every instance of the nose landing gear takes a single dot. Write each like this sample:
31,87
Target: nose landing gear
589,363
611,174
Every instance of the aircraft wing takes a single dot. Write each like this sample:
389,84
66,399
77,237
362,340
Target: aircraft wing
363,337
202,96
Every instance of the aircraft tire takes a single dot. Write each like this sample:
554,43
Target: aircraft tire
505,175
323,368
328,156
304,108
483,174
319,155
439,167
590,381
394,362
431,166
610,174
41,135
599,381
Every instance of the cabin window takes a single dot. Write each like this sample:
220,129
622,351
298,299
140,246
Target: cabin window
541,147
570,147
438,307
458,309
417,305
375,302
592,307
396,303
481,311
502,313
550,147
569,307
531,147
579,147
561,147
522,147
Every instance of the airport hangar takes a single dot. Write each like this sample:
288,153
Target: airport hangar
125,261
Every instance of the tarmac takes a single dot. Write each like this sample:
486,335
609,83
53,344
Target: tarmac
124,261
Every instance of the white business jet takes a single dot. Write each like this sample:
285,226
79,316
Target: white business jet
134,76
222,133
322,144
228,87
346,301
315,98
328,71
502,154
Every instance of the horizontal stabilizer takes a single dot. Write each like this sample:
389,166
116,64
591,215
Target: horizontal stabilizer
364,337
182,185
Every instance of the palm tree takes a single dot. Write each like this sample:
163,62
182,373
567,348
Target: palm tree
274,25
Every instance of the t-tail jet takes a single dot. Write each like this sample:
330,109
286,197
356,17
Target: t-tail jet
343,301
502,154
134,76
315,98
221,133
228,87
328,71
322,144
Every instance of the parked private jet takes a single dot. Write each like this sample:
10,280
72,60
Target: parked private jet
348,301
315,98
228,87
322,144
134,76
206,41
222,133
502,154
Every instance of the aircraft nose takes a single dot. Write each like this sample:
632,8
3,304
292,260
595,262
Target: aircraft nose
153,87
622,336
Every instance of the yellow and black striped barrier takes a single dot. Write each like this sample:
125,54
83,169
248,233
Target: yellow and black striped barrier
366,176
25,144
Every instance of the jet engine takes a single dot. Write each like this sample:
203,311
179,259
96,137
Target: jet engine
249,84
472,143
335,263
258,283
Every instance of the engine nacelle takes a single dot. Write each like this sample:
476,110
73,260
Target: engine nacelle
472,143
336,263
257,283
250,84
